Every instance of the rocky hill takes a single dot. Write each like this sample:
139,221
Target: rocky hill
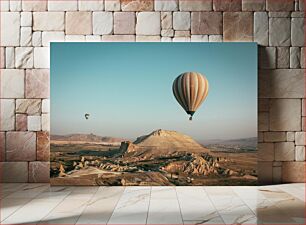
161,143
167,139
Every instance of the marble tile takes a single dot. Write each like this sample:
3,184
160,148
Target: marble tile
293,172
272,214
69,211
275,194
32,212
132,207
9,206
100,208
164,207
297,192
39,172
294,208
210,219
21,122
43,146
37,83
195,204
30,191
12,83
9,188
20,146
167,205
248,192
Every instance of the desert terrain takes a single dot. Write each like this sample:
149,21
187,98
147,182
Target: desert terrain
159,158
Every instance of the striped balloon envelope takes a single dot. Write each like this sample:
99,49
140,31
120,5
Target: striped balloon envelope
190,90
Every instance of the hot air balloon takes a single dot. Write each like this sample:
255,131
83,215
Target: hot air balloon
86,116
190,90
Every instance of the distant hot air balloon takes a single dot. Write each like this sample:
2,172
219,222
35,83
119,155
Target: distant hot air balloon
190,90
86,116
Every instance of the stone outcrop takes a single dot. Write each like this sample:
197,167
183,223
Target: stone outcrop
204,164
128,147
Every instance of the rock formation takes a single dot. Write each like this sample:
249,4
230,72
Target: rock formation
160,143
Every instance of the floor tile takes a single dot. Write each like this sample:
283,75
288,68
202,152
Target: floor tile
164,206
32,212
132,207
100,208
195,204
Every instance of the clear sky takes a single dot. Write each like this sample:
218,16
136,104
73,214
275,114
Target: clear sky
127,89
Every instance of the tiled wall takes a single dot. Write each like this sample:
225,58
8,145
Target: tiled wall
28,26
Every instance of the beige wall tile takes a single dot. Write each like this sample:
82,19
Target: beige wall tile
102,23
203,5
261,28
265,173
253,5
7,114
206,23
124,22
78,23
34,123
48,21
148,23
265,152
56,5
43,146
275,136
279,32
169,5
112,5
16,172
280,5
88,5
10,28
34,5
21,122
12,83
284,151
293,172
37,83
39,172
238,26
28,106
137,5
281,83
20,146
181,21
285,114
228,5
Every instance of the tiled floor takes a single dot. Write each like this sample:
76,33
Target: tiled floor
42,204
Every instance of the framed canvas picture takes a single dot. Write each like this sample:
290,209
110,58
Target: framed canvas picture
153,114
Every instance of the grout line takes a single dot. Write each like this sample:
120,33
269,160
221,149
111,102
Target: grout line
56,206
88,201
116,205
255,213
30,199
178,201
149,205
217,211
28,203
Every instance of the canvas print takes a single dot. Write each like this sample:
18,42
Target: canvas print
147,114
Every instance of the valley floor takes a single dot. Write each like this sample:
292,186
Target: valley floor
42,204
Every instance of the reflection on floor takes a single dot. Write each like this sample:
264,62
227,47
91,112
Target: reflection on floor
42,204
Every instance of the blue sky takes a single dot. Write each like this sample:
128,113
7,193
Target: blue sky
127,88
